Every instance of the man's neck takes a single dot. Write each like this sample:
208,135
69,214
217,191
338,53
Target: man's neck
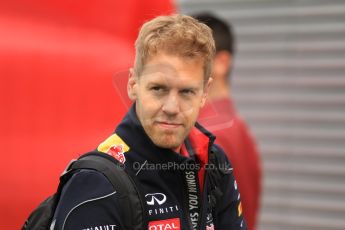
177,150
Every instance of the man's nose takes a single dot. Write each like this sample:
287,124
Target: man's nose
171,105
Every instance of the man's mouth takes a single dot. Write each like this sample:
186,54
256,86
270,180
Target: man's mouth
169,125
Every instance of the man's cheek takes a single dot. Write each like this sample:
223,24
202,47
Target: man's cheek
189,111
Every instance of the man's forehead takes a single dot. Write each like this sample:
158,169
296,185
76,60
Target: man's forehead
167,72
160,78
157,68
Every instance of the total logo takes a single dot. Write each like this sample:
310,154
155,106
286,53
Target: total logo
155,198
168,224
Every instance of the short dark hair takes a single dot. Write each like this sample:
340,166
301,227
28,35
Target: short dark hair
221,30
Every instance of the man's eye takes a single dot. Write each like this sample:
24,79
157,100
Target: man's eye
156,88
187,91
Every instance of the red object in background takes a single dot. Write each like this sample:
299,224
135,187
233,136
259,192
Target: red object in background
232,134
57,61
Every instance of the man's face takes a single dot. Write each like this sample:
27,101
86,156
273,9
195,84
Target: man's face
169,94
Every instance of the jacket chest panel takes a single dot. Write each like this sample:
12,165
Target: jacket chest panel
169,195
166,197
163,194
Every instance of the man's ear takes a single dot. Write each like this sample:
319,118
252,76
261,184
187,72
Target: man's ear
221,64
206,91
132,85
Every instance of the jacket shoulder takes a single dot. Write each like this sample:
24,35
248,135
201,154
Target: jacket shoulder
85,202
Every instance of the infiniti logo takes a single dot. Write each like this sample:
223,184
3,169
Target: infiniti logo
152,198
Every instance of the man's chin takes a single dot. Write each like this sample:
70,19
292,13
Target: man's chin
167,144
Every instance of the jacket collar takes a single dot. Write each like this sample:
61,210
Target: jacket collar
133,134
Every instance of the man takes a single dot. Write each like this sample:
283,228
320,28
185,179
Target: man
220,117
159,141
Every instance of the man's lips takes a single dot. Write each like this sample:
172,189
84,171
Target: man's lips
169,125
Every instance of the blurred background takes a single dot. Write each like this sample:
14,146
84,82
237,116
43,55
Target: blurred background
289,85
57,64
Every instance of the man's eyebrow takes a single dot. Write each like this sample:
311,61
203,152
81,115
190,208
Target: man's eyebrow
190,88
154,83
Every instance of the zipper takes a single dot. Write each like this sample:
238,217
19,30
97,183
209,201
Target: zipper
205,196
201,212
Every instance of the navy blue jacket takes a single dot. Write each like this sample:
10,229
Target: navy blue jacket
168,181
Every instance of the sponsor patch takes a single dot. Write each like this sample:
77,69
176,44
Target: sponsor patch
210,227
167,224
239,209
115,147
155,198
101,227
209,222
